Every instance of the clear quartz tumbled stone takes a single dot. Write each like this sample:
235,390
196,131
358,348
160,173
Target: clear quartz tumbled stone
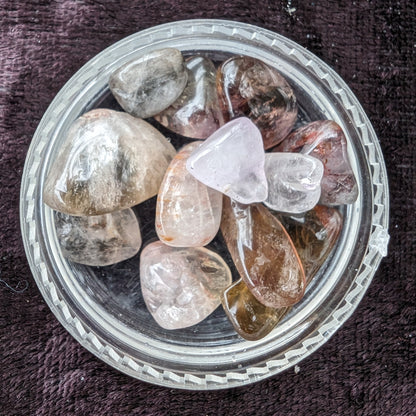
98,240
109,161
181,286
150,83
294,182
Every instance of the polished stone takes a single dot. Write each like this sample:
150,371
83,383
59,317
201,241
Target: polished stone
263,254
251,319
314,235
232,161
196,113
98,240
109,161
150,83
249,87
325,140
188,213
181,286
294,182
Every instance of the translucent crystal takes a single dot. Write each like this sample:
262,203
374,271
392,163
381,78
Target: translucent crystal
250,318
326,141
249,87
263,254
294,182
98,240
109,161
188,213
232,161
196,113
314,235
150,83
181,286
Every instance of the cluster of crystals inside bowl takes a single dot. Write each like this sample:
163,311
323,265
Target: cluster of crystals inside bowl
270,191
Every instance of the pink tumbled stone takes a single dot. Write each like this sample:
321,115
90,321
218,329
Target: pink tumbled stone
231,161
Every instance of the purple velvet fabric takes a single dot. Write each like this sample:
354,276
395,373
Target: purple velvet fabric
368,367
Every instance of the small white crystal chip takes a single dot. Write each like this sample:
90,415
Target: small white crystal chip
181,286
231,161
294,182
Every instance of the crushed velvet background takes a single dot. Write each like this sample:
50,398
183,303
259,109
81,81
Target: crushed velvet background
368,367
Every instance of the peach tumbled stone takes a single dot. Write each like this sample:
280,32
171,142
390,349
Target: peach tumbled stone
188,213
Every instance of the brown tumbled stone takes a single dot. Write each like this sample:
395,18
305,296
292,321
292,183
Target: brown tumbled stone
314,235
263,254
249,87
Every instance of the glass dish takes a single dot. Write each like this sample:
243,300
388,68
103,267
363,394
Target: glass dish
102,307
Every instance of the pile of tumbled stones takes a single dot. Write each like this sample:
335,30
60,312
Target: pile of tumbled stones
276,210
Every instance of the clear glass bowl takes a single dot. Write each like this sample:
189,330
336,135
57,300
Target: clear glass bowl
102,307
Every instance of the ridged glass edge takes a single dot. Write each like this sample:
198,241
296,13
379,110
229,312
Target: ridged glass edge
376,248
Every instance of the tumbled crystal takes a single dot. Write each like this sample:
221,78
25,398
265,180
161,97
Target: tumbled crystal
150,83
294,182
98,240
188,213
109,161
263,254
181,286
314,235
250,318
249,87
325,140
231,161
196,113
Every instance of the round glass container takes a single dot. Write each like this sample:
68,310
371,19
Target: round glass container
102,307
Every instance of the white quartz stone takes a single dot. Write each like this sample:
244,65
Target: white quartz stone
181,286
294,182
